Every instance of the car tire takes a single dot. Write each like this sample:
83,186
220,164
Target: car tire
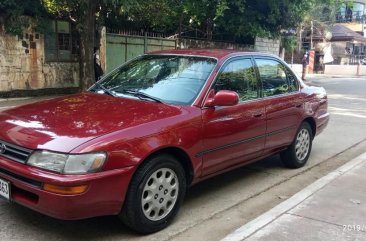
297,154
155,194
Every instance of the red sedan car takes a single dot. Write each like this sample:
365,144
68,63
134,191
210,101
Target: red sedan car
133,143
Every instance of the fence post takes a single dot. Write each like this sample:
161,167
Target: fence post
311,62
103,49
145,42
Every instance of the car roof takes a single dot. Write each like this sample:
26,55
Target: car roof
213,53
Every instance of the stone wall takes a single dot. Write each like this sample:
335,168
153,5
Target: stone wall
345,70
297,68
334,70
266,45
22,65
184,43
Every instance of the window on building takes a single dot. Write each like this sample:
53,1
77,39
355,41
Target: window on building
61,42
357,50
349,13
359,9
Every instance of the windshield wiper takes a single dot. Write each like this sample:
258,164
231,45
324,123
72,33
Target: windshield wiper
107,91
141,95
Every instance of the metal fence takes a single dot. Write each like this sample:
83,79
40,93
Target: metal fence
350,16
349,59
120,48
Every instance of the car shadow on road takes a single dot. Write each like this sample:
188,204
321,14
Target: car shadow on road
32,224
214,184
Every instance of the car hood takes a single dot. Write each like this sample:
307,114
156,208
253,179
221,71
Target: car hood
64,123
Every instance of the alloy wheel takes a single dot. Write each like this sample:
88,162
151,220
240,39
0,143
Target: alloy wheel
302,144
160,193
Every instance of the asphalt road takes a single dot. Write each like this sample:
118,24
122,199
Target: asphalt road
218,206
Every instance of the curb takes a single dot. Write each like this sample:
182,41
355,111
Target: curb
315,76
3,100
253,226
15,99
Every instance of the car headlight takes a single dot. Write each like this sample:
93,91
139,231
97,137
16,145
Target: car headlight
67,163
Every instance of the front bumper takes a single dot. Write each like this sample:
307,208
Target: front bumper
104,195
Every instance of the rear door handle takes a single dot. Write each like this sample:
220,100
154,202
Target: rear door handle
257,115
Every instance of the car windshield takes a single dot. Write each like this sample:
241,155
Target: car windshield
169,79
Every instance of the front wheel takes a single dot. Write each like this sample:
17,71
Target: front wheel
297,154
155,194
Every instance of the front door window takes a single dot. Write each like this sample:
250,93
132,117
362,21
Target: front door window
239,76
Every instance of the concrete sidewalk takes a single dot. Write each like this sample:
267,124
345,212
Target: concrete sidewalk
7,103
332,76
332,208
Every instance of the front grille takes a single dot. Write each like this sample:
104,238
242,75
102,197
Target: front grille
21,178
14,152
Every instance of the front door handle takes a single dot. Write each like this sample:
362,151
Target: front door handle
298,105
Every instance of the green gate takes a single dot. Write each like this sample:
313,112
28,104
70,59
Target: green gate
121,48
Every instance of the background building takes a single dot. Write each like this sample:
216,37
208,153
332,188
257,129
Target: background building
353,16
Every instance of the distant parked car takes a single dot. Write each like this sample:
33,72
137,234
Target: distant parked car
133,143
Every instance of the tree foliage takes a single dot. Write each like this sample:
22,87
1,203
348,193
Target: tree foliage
321,17
14,15
238,19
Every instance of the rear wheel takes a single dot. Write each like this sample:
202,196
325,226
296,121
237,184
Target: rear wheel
298,152
155,194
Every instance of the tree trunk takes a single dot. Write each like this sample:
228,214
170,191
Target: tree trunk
209,29
180,29
299,43
283,53
87,43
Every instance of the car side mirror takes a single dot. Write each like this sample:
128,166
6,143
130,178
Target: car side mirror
222,98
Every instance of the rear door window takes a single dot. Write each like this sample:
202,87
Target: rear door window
276,78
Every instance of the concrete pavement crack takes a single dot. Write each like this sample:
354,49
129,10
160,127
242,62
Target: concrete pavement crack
322,221
263,191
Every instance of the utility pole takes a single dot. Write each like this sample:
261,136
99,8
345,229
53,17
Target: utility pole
311,35
364,25
299,45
